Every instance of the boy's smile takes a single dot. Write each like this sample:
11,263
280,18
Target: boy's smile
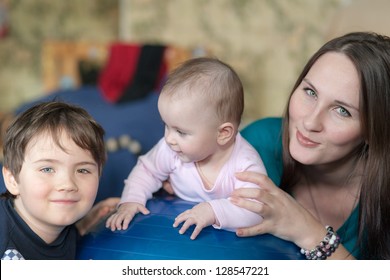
57,186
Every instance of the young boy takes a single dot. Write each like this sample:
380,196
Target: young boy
201,105
53,157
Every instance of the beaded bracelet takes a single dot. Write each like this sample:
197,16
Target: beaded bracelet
326,247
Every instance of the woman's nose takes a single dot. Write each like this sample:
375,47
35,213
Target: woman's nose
313,120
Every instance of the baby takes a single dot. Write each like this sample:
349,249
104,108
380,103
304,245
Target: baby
201,105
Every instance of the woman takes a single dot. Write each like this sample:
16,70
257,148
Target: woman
336,158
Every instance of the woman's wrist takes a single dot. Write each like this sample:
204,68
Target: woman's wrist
311,236
325,248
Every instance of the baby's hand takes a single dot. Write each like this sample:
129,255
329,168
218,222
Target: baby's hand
123,216
201,215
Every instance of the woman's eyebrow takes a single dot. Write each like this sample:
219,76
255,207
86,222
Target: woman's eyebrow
310,84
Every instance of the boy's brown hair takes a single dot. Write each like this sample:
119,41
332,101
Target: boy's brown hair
52,118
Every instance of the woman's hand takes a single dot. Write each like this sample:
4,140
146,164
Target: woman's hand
283,216
98,212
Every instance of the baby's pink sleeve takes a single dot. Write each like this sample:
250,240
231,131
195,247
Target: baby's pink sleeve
231,217
148,174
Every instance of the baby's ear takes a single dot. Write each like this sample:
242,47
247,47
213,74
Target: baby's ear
10,181
226,132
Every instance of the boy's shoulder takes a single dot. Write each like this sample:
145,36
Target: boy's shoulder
5,226
18,242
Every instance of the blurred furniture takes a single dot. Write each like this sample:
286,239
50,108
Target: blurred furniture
61,61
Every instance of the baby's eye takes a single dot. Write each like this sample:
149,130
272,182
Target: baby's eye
181,132
47,170
343,112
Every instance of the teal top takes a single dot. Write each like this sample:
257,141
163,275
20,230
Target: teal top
265,136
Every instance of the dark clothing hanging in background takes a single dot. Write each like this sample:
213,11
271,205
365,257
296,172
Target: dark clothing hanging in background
147,74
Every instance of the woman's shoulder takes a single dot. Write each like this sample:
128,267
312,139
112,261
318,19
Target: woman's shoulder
266,131
261,125
265,135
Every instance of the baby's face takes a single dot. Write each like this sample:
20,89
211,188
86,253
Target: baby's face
56,187
191,127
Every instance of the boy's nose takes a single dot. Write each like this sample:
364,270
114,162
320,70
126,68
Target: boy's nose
67,184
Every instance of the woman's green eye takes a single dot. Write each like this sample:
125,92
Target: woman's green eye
342,111
310,92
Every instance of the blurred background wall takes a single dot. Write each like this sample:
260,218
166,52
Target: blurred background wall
266,41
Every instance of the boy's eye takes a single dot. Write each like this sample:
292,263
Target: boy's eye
83,171
47,170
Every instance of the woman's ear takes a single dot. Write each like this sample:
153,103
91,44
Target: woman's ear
10,181
226,132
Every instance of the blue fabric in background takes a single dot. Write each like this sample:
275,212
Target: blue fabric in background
2,185
138,119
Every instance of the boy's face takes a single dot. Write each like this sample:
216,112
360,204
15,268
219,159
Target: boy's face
55,187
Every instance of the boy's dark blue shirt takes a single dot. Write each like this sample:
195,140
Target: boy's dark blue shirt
18,241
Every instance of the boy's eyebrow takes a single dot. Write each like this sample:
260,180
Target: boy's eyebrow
87,163
51,160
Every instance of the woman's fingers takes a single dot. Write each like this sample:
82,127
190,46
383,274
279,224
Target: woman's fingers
262,180
248,202
250,193
251,231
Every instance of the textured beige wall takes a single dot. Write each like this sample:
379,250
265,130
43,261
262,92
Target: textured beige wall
266,41
34,21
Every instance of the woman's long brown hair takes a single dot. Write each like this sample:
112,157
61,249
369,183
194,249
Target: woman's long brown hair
370,54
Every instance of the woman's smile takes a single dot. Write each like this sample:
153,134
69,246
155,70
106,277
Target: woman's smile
304,141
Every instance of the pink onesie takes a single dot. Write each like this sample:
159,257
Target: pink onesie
161,163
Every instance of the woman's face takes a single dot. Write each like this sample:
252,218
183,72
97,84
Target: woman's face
324,112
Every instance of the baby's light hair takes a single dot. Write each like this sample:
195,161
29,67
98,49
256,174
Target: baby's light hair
213,80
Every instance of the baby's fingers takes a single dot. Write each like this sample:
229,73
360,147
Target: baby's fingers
143,210
125,222
196,232
118,221
180,218
109,221
185,226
